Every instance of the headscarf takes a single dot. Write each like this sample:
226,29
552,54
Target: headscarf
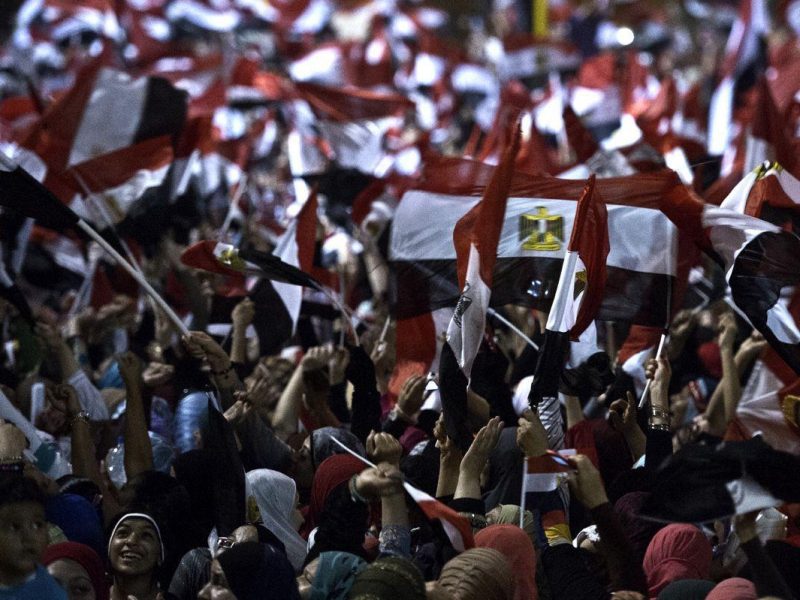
639,531
517,547
275,495
509,515
192,573
336,572
192,470
323,447
145,517
258,572
191,415
78,519
686,589
87,558
478,574
679,551
392,578
333,472
735,588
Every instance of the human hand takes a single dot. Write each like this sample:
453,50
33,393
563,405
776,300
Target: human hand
727,331
478,452
257,392
315,359
243,313
384,448
449,453
67,396
585,483
622,414
745,526
337,364
49,335
531,434
12,440
130,368
752,346
202,346
157,374
659,372
682,323
382,480
411,395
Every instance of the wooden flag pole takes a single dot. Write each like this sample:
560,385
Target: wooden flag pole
493,313
646,391
162,304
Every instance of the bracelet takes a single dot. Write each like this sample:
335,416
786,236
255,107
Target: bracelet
354,495
659,426
12,467
82,416
658,412
11,460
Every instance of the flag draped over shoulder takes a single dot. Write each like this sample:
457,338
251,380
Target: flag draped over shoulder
475,237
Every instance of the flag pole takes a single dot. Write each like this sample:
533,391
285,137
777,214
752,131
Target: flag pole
162,304
493,313
523,493
646,391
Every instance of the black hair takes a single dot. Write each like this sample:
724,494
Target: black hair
14,488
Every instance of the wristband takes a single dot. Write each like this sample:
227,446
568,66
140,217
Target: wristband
12,465
660,413
82,416
659,426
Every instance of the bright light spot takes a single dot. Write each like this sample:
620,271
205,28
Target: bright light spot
625,36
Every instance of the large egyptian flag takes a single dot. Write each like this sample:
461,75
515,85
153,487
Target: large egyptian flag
759,260
578,294
644,260
475,238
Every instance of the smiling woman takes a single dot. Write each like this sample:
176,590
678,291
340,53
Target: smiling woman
135,551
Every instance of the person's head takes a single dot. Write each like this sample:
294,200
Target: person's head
77,518
735,588
517,547
23,529
639,531
252,571
78,569
478,574
135,547
391,578
330,576
332,473
679,551
508,514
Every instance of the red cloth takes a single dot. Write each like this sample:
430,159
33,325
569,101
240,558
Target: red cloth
513,543
85,557
679,551
735,588
332,472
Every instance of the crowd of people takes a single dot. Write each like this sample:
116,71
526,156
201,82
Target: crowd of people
249,459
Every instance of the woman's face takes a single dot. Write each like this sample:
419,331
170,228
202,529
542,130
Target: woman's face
135,548
297,518
217,588
73,578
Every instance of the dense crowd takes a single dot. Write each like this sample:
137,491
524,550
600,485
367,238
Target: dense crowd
270,455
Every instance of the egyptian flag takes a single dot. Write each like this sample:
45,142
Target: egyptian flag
295,247
643,265
225,259
635,351
547,472
702,483
106,112
475,237
758,258
595,159
578,294
456,527
742,52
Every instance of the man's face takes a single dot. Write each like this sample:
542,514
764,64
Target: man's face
23,538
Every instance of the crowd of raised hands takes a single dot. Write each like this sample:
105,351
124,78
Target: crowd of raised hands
193,467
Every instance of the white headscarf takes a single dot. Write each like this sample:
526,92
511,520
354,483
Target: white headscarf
274,494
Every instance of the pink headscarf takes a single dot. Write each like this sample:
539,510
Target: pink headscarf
679,551
735,588
513,543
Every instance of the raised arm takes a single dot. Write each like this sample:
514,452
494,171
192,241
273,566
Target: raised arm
138,450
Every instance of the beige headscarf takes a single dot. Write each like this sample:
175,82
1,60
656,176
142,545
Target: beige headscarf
508,514
478,574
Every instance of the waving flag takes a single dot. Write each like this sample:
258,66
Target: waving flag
578,294
759,260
